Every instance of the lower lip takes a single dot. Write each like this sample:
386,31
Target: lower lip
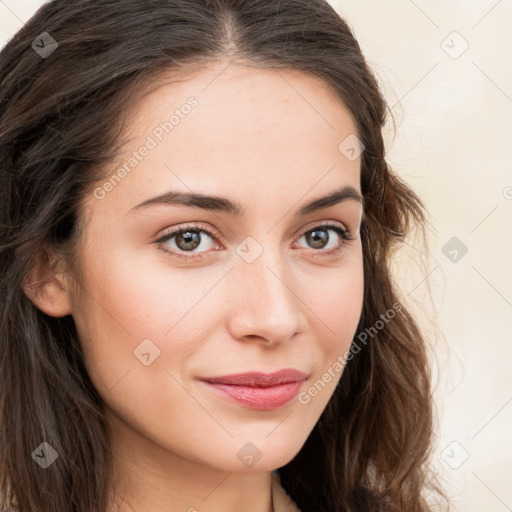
259,398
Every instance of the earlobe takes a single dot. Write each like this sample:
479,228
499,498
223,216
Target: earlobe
47,287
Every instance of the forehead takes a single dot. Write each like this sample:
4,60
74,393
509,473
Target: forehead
244,94
251,130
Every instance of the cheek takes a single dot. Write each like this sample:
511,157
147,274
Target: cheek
337,307
342,304
129,301
336,300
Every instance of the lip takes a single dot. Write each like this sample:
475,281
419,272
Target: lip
256,390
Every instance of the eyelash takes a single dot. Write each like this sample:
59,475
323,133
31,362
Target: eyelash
345,235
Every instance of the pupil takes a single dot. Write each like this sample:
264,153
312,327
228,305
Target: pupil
190,239
318,238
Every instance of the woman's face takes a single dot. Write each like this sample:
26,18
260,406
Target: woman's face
256,288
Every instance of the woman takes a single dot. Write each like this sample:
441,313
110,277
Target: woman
177,333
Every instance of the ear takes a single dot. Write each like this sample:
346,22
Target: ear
47,286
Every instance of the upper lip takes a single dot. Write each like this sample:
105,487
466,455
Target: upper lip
258,379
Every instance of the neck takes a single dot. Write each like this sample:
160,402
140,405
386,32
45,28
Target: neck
148,478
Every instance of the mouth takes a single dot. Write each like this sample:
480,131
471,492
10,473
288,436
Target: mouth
257,390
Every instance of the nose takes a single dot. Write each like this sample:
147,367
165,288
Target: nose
263,305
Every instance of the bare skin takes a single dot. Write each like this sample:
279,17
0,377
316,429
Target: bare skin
255,140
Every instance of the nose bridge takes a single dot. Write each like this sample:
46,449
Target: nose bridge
265,304
268,276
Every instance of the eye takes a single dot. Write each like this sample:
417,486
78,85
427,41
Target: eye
319,238
187,239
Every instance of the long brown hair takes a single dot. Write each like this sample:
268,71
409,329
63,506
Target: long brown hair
61,115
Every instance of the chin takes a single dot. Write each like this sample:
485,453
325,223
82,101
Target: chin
264,454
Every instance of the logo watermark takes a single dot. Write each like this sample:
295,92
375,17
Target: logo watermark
337,367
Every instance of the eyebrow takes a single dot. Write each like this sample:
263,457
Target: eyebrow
221,204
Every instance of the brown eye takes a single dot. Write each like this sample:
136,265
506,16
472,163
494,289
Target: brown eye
319,238
188,240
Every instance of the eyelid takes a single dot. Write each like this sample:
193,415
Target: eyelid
199,226
323,224
191,226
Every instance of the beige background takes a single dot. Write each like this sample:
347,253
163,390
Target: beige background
446,71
